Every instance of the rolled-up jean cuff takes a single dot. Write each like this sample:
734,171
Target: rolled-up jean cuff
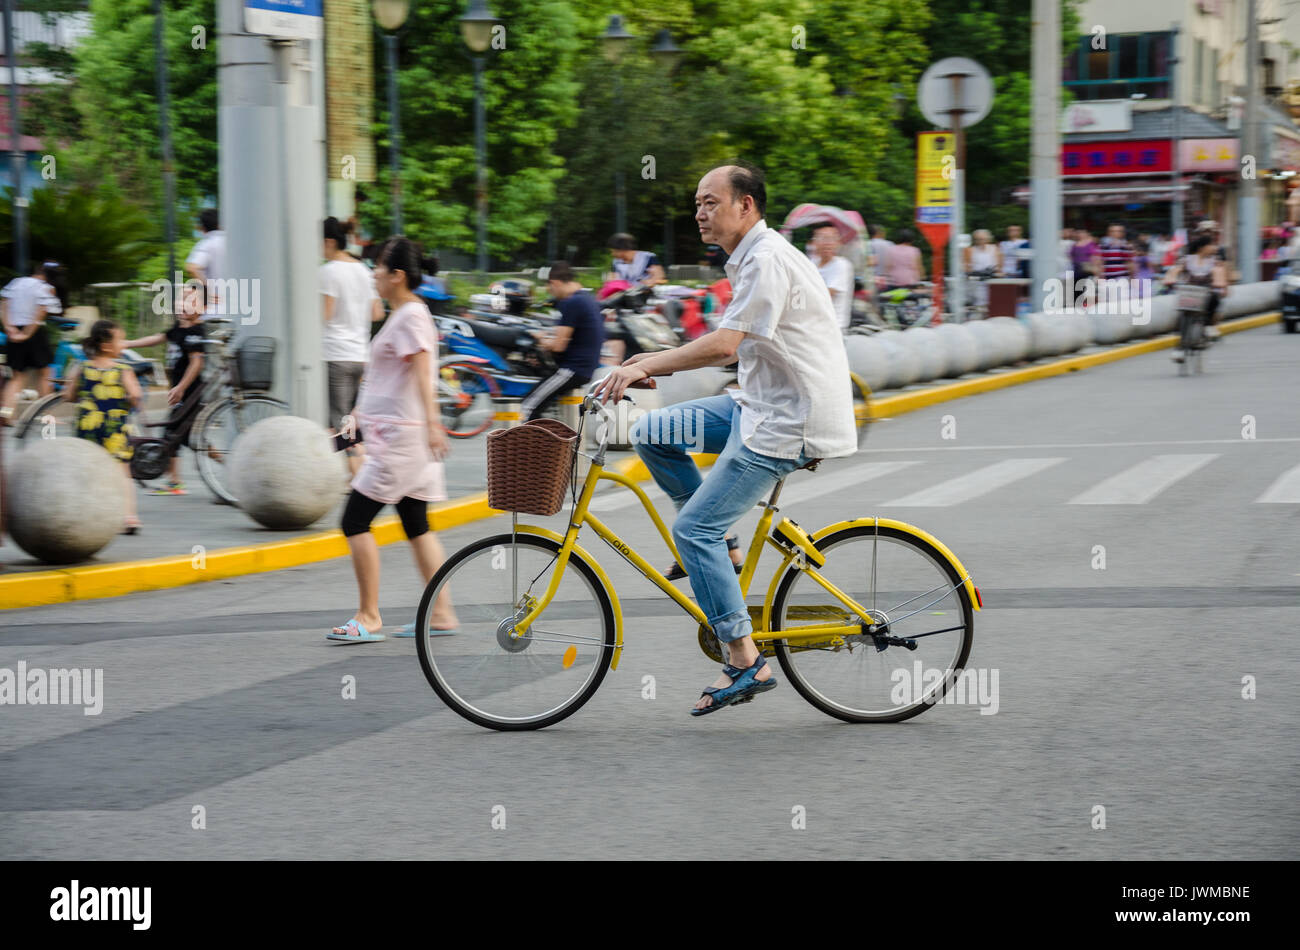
733,626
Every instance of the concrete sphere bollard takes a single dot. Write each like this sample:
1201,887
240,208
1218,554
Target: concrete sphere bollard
987,343
1041,331
928,349
904,363
1078,331
1015,337
1111,327
66,499
868,359
962,352
285,472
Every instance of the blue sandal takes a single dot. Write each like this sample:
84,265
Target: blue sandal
408,630
356,633
744,687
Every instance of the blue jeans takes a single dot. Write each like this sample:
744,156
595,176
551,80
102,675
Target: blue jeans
707,507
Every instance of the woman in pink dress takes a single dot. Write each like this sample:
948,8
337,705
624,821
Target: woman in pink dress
397,419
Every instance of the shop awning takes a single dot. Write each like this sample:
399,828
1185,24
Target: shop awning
1113,190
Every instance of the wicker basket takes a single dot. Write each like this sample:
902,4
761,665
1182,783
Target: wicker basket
1193,297
529,467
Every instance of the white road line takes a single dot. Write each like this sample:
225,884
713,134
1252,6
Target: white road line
1142,482
814,484
1284,491
963,488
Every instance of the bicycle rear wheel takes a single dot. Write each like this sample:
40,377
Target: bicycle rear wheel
924,616
216,431
506,682
50,417
465,394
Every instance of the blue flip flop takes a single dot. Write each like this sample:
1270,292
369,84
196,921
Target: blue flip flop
408,630
362,635
744,687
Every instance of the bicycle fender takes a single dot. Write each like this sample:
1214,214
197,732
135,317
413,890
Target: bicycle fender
913,530
592,563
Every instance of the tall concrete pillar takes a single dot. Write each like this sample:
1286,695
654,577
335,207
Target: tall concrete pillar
271,164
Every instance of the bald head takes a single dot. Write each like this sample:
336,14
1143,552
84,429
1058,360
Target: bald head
729,201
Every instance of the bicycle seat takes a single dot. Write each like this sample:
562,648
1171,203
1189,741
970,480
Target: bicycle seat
811,465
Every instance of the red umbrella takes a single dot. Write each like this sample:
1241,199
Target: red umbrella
849,223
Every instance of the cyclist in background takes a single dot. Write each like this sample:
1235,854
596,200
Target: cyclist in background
1202,266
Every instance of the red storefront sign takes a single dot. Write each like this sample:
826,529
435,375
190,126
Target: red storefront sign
1116,158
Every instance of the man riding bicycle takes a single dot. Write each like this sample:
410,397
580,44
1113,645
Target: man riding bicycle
793,406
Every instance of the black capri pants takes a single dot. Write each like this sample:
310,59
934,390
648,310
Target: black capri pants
361,510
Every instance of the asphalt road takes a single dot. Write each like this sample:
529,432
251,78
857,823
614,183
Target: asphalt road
1119,686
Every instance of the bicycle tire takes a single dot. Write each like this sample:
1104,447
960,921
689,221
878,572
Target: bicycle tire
29,423
785,653
484,379
448,694
210,456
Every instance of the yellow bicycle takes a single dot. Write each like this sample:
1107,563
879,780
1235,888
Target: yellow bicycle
871,619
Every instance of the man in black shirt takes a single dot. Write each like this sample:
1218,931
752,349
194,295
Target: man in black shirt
576,340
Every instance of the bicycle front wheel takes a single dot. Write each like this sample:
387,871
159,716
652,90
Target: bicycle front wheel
924,618
465,395
487,672
216,431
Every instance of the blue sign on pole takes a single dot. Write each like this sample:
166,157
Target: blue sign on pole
285,19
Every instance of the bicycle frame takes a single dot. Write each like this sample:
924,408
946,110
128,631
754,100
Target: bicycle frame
802,635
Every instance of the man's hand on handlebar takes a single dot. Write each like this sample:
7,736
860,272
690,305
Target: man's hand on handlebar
613,385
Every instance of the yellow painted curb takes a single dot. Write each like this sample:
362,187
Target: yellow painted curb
39,588
909,402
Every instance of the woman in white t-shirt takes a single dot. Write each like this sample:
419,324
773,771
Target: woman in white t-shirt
349,305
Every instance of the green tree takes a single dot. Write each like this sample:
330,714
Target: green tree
97,236
114,93
529,96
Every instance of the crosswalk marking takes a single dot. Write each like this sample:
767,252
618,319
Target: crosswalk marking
1284,491
963,488
816,484
1142,482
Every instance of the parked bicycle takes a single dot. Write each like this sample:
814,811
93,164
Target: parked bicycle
909,306
233,398
848,607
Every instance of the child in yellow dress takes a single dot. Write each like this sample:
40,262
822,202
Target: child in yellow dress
105,391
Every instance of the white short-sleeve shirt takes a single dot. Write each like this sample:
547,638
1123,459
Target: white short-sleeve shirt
795,392
838,275
25,295
347,335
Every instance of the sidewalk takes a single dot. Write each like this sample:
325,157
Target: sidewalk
178,529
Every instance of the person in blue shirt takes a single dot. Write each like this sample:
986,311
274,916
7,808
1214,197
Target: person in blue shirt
632,265
576,340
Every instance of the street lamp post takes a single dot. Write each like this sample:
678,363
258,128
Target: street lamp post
476,29
168,160
17,159
613,41
391,15
666,53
